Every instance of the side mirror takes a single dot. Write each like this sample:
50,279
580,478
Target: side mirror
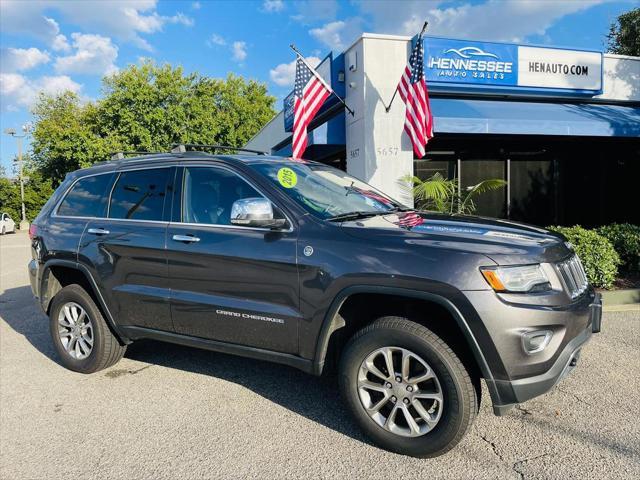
255,212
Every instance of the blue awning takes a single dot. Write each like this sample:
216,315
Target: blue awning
529,118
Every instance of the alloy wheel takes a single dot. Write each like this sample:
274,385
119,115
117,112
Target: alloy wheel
400,391
75,331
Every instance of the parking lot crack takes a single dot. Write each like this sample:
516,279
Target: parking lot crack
494,447
578,398
525,411
520,463
120,372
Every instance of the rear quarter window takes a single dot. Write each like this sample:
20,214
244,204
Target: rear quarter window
87,198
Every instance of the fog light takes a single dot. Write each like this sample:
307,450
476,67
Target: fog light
536,341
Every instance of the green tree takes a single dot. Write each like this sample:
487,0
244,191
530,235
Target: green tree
9,198
146,107
37,191
624,35
63,139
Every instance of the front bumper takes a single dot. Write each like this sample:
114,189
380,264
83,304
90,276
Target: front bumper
530,375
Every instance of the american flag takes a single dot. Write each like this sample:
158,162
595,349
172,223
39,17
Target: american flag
310,93
413,90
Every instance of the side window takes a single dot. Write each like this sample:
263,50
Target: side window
87,198
209,193
140,194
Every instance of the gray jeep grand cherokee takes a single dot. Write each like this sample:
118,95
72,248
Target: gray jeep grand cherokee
299,263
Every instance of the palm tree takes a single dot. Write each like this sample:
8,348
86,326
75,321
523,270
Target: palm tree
441,194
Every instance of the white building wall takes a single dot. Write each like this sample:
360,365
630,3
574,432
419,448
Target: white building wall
378,151
270,135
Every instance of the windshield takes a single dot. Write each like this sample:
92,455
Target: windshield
326,192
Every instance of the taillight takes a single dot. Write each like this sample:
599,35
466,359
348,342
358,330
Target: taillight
33,231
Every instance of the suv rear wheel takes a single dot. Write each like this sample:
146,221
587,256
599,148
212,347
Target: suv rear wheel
406,388
80,334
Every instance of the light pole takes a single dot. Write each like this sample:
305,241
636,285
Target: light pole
24,225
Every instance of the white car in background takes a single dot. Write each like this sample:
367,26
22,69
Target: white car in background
7,225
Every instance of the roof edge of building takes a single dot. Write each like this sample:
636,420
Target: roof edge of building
378,36
622,57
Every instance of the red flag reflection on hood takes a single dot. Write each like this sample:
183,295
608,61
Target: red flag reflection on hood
409,219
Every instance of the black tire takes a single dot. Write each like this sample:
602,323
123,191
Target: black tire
460,401
106,350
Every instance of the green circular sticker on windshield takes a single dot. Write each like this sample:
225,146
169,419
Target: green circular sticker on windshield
287,177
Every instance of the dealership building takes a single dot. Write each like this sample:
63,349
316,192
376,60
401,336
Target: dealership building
562,126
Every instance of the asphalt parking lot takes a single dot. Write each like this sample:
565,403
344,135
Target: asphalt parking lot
171,412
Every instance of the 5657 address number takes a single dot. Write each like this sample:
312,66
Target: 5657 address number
387,151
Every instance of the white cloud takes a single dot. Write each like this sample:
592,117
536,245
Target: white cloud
94,54
215,39
284,74
60,44
239,50
19,59
19,17
196,6
182,19
501,20
337,35
273,6
125,20
17,91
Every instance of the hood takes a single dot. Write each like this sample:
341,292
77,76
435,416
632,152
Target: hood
504,242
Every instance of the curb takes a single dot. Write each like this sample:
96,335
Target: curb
621,297
627,300
631,307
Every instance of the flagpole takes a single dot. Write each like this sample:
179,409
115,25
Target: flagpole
301,57
424,29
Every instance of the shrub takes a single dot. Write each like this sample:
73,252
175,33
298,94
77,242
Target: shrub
625,238
598,256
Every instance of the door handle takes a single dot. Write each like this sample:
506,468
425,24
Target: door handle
185,238
98,231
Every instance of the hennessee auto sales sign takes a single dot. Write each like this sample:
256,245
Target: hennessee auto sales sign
510,66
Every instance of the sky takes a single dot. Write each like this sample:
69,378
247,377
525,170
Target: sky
56,45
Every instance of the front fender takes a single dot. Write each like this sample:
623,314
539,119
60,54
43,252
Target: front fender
461,311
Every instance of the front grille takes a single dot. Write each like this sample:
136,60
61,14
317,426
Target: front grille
573,276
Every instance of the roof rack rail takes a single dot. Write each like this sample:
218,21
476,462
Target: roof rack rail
120,155
183,147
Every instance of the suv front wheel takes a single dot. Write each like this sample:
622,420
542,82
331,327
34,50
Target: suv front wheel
406,388
80,334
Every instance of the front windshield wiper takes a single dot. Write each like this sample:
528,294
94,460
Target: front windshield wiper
353,216
364,214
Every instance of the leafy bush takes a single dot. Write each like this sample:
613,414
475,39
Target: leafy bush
625,238
599,258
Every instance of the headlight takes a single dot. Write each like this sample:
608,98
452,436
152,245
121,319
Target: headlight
525,278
